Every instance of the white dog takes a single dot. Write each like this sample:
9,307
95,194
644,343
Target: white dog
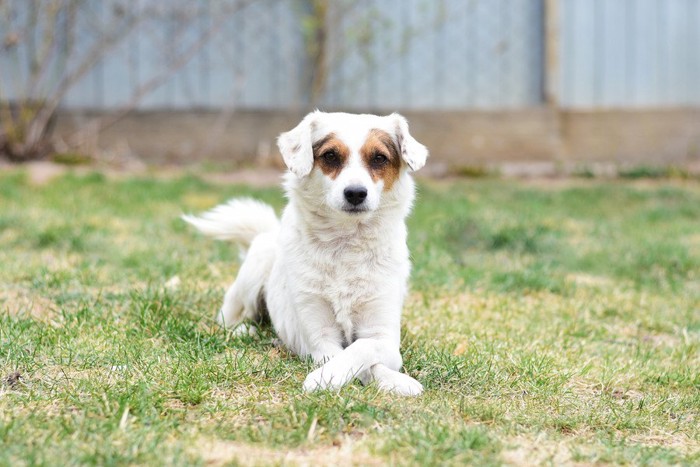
332,274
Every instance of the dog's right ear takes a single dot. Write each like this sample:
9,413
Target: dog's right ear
296,147
412,152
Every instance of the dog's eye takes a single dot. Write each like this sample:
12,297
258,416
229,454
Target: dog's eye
331,157
379,159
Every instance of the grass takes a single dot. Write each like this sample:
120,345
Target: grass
549,322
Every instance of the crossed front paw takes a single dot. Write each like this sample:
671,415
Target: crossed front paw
321,379
400,383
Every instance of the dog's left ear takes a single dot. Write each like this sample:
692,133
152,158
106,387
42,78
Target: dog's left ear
296,148
412,152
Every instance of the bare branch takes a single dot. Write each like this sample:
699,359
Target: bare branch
173,64
47,38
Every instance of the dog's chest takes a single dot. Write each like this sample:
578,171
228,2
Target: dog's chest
347,290
350,275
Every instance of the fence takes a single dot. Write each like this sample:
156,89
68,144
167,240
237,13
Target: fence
482,81
630,53
394,54
439,55
377,54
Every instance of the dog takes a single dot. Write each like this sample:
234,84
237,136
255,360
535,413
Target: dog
332,273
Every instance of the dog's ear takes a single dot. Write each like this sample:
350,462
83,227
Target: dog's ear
296,147
412,152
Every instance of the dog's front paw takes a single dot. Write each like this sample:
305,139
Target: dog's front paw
316,380
400,383
323,378
245,329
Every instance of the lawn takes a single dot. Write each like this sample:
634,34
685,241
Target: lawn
550,322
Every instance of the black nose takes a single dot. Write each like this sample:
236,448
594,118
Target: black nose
355,194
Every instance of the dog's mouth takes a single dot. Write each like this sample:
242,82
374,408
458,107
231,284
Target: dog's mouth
355,209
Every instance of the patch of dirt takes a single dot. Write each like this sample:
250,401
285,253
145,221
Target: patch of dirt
589,280
692,241
619,390
21,302
539,451
260,178
634,334
678,440
344,453
42,172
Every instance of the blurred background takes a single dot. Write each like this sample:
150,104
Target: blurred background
533,87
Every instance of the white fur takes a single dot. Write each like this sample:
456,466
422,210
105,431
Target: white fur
231,221
332,281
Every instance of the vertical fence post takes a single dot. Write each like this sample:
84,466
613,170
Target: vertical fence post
551,53
552,78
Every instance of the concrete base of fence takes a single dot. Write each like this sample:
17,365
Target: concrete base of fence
560,140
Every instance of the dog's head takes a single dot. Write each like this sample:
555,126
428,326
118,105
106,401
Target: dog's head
350,160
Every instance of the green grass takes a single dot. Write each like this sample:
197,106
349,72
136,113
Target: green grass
549,322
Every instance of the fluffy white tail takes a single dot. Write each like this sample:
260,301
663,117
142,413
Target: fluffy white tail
239,220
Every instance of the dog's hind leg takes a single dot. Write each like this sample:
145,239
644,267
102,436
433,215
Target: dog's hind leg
231,313
243,300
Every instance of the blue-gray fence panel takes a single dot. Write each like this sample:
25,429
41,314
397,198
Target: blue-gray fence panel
254,59
381,54
386,55
630,53
438,54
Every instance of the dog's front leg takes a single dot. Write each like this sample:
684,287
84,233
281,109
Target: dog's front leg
355,359
325,351
320,337
378,357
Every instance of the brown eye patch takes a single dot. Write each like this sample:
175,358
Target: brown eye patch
330,155
381,156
